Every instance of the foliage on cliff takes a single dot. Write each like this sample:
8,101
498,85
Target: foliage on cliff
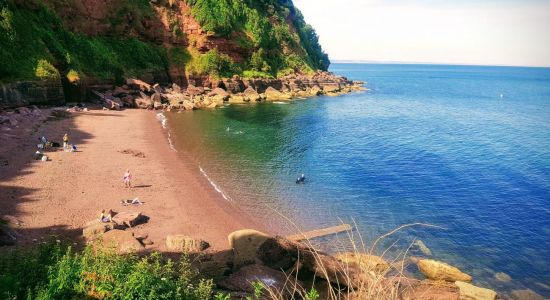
130,38
35,42
274,30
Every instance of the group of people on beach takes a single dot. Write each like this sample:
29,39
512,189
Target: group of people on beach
45,144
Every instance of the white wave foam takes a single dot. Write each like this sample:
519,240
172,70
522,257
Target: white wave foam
214,185
162,118
163,121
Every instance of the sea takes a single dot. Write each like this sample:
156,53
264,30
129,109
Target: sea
457,157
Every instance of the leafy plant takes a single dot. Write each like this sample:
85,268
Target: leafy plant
258,290
45,70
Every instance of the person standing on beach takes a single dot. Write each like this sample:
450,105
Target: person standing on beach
66,141
127,179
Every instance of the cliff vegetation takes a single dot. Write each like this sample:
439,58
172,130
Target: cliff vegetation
166,40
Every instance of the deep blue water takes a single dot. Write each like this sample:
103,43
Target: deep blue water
466,148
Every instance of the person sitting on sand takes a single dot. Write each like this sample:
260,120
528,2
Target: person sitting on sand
66,141
106,218
127,179
131,201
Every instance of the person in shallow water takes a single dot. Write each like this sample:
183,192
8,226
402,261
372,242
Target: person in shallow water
301,179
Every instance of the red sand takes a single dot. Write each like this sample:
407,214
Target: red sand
61,195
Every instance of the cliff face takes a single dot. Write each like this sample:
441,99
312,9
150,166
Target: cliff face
158,40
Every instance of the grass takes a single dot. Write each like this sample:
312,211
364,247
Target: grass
372,283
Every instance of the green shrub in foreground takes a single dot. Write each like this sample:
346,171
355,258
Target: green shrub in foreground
53,271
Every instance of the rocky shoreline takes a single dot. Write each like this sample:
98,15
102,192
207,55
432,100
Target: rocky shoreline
289,268
139,94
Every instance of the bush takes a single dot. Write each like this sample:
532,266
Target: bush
45,70
54,271
212,63
73,76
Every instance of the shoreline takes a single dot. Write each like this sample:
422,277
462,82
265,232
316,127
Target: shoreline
60,196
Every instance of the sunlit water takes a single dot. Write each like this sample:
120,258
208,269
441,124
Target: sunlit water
465,148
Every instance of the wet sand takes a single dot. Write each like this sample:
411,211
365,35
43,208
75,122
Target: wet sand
60,196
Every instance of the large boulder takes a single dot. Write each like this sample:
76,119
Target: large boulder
138,85
122,241
242,279
95,229
185,244
472,292
219,94
129,219
245,243
176,88
437,270
421,290
365,262
282,254
238,99
251,95
272,94
143,101
194,91
120,92
234,85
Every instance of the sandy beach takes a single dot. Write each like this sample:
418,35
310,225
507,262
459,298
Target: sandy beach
61,195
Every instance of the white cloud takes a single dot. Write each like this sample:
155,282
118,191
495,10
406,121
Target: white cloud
465,32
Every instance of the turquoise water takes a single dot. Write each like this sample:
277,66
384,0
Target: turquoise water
462,147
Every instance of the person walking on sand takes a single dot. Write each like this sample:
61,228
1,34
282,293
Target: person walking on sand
66,141
127,179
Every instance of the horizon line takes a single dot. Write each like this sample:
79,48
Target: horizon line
396,62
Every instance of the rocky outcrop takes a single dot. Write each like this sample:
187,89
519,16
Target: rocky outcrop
437,270
140,94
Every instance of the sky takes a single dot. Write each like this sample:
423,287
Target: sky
490,32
